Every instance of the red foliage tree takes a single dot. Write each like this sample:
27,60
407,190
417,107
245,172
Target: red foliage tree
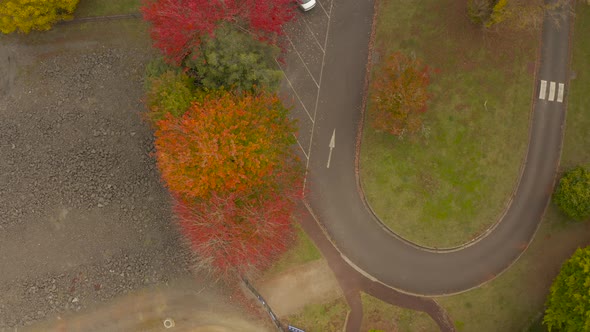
400,94
228,161
267,18
227,143
236,234
178,26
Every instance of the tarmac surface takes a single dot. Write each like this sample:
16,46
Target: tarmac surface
337,200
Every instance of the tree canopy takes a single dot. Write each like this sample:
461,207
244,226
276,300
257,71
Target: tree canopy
27,15
514,14
223,140
228,162
225,143
572,194
178,27
233,59
238,233
568,304
400,95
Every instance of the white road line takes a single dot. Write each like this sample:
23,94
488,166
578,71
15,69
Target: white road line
303,62
543,90
560,92
325,12
317,99
295,91
302,149
313,35
551,91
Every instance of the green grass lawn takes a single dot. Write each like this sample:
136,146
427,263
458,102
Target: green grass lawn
381,316
576,150
377,315
88,8
514,301
327,317
303,251
446,188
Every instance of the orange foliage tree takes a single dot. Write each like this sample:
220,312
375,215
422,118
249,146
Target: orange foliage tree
224,143
229,163
400,95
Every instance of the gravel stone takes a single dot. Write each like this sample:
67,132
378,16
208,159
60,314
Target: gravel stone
82,208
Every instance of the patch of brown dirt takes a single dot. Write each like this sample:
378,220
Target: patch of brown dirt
183,305
290,291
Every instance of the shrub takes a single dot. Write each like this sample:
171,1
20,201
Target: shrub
568,303
156,67
170,93
572,194
513,14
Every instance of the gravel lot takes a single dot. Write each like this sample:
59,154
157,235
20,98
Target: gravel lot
83,216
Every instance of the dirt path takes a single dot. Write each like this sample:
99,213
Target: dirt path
293,289
183,305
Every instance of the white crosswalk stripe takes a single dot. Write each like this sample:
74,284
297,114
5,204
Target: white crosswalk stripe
543,89
555,90
560,92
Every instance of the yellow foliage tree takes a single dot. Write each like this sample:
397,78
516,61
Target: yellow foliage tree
27,15
498,13
515,14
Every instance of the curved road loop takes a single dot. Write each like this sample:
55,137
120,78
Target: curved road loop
337,201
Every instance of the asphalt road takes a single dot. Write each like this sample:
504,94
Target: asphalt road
336,199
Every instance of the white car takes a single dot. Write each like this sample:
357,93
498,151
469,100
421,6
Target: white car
306,5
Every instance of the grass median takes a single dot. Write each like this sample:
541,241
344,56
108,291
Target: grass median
447,186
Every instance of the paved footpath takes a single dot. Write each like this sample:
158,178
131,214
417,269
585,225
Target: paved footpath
337,201
352,282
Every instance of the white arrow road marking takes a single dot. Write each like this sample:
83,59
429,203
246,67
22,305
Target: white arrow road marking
332,145
543,89
551,91
560,92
